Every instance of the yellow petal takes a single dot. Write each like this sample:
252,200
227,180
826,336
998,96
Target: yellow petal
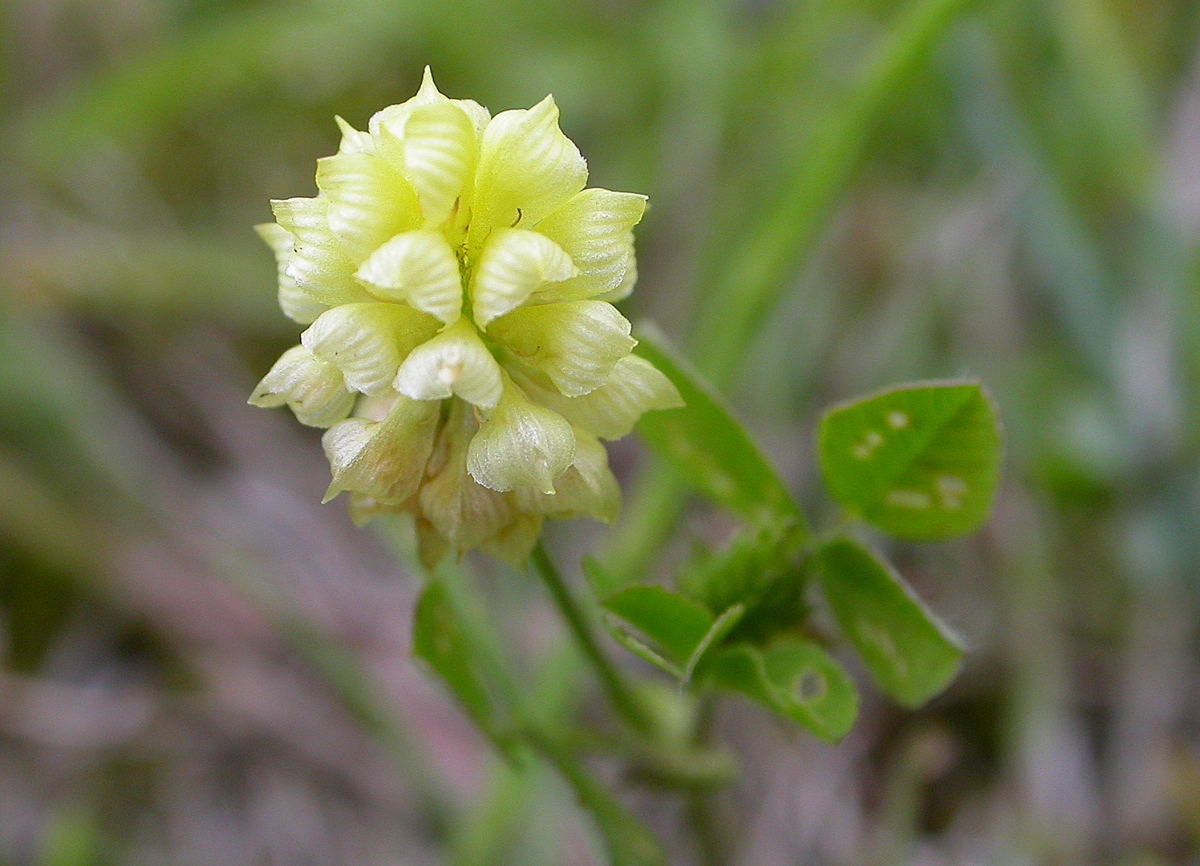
362,509
384,460
319,264
369,201
587,488
513,265
367,342
439,151
520,444
622,291
313,389
420,268
480,116
632,388
454,363
575,343
354,141
595,228
297,305
454,504
527,169
387,125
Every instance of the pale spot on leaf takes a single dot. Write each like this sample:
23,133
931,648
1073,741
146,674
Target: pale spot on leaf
951,489
897,420
881,640
914,499
865,449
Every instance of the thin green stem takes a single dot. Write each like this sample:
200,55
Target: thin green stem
701,812
617,688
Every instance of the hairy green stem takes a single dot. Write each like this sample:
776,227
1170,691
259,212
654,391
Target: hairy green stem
614,684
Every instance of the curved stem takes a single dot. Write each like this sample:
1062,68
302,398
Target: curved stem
617,688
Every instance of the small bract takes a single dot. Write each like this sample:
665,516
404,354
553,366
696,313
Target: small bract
457,282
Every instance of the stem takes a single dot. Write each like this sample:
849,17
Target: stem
614,684
701,812
702,821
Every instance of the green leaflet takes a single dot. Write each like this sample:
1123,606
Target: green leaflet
919,461
906,649
796,679
681,630
707,444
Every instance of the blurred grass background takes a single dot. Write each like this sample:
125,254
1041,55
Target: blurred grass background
201,665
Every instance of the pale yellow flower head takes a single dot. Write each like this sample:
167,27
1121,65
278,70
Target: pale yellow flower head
457,281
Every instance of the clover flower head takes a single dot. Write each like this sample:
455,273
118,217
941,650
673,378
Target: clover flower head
457,281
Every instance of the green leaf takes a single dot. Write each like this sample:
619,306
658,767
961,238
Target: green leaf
681,630
644,651
707,444
909,653
676,624
441,639
796,679
720,629
919,461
